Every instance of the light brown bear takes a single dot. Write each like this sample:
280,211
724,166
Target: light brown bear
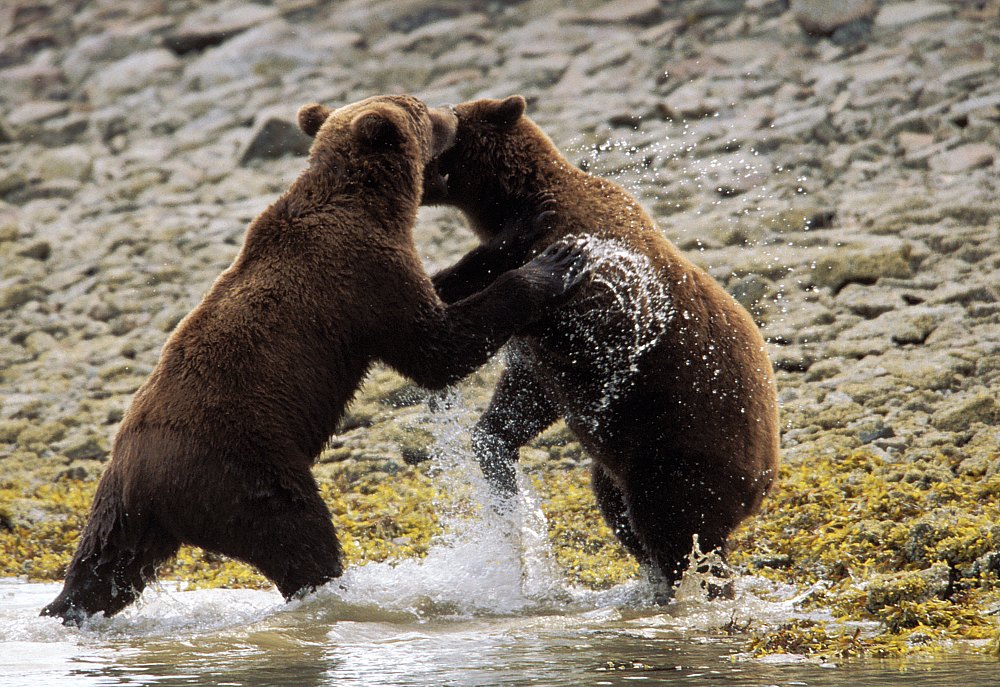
658,371
216,448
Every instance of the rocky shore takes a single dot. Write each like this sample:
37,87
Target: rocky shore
835,169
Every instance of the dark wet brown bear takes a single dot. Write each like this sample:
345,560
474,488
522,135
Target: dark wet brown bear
661,375
216,448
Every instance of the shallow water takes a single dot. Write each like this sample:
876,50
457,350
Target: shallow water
242,637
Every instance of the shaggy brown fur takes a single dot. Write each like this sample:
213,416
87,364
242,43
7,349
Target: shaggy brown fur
216,447
670,392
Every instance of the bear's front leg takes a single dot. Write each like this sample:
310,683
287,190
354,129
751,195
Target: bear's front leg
436,345
518,412
526,225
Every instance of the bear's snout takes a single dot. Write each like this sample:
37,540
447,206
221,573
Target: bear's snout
444,123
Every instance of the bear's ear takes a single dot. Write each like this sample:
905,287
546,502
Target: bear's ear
376,129
311,118
507,111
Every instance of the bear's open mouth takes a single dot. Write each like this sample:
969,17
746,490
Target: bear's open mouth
444,122
435,182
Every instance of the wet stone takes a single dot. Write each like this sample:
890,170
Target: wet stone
824,18
960,414
862,267
900,14
964,158
274,136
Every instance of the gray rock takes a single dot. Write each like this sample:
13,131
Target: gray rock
846,266
800,121
964,158
967,76
39,250
132,73
36,112
639,12
92,52
700,9
750,291
214,24
958,415
965,293
872,429
88,447
929,370
988,105
270,49
69,162
910,325
17,295
822,18
692,100
900,14
273,136
12,182
869,301
28,82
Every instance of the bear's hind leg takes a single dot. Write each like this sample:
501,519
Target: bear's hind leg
667,510
118,554
288,536
109,574
611,503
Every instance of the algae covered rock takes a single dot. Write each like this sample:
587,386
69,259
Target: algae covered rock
848,266
919,586
960,414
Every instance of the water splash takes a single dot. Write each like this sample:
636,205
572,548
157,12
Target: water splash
625,311
485,563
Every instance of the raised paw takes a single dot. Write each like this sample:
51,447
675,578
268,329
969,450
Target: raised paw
562,268
528,222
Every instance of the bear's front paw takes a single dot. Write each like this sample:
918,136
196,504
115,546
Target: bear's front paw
529,221
559,271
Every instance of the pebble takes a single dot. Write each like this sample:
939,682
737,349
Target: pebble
899,14
964,158
274,135
823,18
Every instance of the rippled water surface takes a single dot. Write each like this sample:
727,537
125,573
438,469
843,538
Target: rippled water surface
466,615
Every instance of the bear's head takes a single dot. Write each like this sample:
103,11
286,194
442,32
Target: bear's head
497,154
395,128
